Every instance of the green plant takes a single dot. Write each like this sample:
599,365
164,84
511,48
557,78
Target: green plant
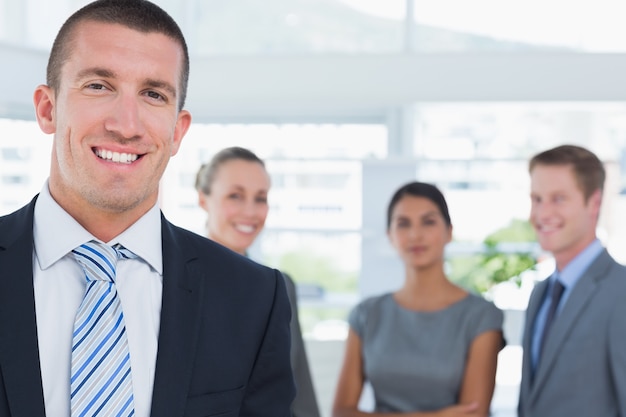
479,272
306,267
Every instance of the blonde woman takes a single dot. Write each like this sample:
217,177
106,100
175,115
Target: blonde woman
232,189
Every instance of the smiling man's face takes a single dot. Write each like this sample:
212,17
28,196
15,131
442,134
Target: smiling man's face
114,118
564,220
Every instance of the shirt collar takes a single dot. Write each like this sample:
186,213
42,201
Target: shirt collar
572,272
56,233
143,238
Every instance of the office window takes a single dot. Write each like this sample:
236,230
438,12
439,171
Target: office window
24,162
15,180
15,154
325,266
275,27
315,170
478,153
278,27
518,26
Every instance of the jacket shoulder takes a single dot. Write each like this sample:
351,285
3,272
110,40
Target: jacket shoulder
212,254
14,225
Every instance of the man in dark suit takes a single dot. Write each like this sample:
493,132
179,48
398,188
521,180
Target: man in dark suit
574,361
206,331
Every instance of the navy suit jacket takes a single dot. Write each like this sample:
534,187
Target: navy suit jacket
223,346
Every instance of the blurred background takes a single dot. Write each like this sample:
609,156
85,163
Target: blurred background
348,99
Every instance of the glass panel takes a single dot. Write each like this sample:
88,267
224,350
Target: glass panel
469,131
15,154
478,153
291,26
235,27
35,23
24,162
325,268
314,169
458,25
11,17
315,195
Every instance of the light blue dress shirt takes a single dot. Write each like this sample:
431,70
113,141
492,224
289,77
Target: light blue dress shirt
569,276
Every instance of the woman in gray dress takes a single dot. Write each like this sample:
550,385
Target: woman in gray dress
232,189
429,348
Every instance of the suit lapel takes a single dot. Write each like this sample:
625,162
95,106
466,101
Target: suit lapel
180,320
581,295
19,353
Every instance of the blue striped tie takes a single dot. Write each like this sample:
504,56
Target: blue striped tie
101,382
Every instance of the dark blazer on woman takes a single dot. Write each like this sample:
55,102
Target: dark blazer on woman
305,404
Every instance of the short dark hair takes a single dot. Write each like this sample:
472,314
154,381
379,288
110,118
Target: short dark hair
207,172
420,189
588,169
140,15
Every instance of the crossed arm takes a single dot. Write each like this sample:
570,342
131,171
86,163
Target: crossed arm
475,393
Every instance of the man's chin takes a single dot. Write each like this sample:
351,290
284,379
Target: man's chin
547,245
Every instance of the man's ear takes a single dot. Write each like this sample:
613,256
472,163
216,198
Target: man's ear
202,201
182,126
43,98
595,200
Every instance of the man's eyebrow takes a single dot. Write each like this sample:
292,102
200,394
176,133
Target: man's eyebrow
97,71
162,85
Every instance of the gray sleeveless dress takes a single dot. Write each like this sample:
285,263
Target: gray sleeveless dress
415,360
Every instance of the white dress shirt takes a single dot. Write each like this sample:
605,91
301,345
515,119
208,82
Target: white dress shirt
59,284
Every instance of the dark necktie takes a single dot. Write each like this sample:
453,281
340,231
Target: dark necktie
555,299
101,382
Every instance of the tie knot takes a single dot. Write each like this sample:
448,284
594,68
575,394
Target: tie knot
557,289
123,253
99,260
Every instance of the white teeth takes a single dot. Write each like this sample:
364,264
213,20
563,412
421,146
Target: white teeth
245,228
547,229
124,158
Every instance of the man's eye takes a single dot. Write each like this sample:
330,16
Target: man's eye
95,86
155,95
